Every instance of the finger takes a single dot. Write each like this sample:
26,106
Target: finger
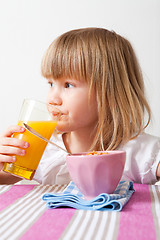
5,158
8,141
12,150
1,166
12,129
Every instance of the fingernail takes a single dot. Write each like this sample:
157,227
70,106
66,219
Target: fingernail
23,152
26,145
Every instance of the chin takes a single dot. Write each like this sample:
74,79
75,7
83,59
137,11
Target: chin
62,128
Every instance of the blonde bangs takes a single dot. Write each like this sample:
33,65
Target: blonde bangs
67,58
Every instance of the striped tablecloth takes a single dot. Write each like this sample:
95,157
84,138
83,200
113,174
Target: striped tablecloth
23,215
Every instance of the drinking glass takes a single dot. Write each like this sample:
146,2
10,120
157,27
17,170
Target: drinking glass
36,115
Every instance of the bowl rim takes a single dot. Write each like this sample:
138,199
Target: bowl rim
84,154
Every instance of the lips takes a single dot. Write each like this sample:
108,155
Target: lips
58,116
56,113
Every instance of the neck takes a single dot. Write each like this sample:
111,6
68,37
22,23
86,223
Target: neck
78,141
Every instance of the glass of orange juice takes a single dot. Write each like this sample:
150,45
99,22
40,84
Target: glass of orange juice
36,115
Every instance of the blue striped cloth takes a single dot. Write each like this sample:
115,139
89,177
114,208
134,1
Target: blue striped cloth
72,197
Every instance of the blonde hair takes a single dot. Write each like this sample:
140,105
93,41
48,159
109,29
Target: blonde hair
107,62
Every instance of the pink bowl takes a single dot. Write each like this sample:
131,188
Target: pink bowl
96,174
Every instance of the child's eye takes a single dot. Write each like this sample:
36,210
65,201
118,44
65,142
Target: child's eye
68,85
51,84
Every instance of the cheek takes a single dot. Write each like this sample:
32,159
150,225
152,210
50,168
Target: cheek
84,112
81,108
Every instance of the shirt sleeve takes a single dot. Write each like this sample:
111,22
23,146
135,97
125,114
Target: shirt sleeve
142,159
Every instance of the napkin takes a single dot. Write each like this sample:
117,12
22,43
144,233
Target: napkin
72,197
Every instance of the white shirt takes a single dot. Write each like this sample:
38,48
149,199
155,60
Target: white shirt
142,158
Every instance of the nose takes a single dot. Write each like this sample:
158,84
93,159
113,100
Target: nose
54,98
55,101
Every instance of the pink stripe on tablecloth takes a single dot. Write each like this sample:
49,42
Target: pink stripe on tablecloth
50,225
15,192
136,219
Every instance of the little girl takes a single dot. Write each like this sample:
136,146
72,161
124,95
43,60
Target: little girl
96,82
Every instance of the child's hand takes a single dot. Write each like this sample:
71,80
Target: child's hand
10,147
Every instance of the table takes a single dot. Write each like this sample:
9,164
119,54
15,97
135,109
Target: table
23,215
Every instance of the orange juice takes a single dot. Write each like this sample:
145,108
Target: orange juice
25,166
